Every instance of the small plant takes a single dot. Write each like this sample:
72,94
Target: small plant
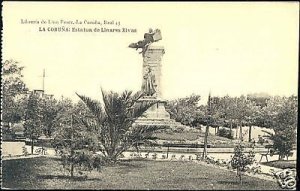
173,157
154,156
240,160
24,151
181,157
81,161
198,157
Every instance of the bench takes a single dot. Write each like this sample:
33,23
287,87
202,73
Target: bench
269,147
271,152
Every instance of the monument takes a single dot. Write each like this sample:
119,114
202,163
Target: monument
151,82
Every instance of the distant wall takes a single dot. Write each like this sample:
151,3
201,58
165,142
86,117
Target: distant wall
12,148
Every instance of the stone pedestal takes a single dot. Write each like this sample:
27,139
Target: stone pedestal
156,114
152,59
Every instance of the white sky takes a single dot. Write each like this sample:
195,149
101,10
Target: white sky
225,48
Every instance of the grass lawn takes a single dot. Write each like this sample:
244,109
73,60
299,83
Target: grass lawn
281,164
47,173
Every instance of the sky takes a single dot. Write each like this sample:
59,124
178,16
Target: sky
222,48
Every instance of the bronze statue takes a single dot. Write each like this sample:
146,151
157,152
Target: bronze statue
152,36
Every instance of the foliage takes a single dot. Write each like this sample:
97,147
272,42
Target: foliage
76,143
259,99
50,111
225,133
240,160
114,122
33,117
12,82
13,88
186,110
281,114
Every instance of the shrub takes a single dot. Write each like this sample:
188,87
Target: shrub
24,150
225,133
240,160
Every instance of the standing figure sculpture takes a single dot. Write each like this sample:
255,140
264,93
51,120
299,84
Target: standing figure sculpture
149,86
150,37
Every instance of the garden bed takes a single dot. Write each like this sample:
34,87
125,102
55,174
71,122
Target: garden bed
281,164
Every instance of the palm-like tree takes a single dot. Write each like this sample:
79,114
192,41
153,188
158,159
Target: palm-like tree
114,121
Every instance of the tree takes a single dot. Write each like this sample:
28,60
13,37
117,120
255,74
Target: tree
76,143
114,121
50,111
281,115
228,111
13,88
186,110
217,114
208,118
259,99
33,119
252,115
240,160
241,113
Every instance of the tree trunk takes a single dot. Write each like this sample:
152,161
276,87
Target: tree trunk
238,171
250,131
205,142
231,128
168,151
72,149
72,169
241,133
32,145
280,157
236,132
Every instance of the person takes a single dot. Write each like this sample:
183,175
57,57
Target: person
148,37
149,83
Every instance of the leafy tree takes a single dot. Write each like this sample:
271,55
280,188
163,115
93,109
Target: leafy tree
76,144
252,115
270,112
13,88
50,111
228,111
186,110
33,119
240,160
114,121
217,114
241,113
259,99
208,122
281,115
